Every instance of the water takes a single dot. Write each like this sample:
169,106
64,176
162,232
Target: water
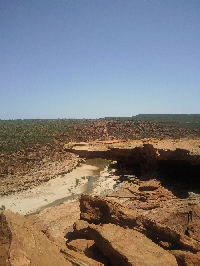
99,164
86,178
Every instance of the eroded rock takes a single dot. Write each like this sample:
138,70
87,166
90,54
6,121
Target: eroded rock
98,209
57,221
194,224
186,258
81,227
156,230
23,244
128,247
149,185
79,259
89,248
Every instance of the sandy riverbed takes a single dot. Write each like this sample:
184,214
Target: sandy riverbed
62,188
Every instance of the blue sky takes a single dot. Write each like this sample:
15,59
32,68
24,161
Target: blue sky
97,58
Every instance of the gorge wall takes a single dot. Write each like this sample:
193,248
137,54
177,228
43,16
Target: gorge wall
180,159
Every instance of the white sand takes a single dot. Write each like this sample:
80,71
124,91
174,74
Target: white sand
29,201
68,185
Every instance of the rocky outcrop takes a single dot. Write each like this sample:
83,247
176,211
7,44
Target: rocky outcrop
78,259
149,185
146,224
179,158
23,244
128,247
19,166
108,233
97,209
158,231
194,224
186,258
56,222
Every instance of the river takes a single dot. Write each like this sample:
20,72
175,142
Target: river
92,177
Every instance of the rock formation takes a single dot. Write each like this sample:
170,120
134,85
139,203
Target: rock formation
128,247
100,210
27,175
176,157
56,222
142,223
22,244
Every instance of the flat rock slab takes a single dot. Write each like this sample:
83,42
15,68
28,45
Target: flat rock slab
55,221
127,247
21,244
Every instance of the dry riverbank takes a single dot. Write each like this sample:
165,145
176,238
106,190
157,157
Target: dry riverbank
86,178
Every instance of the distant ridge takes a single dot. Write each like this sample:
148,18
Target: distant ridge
191,121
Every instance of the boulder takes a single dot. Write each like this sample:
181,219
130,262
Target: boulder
80,245
129,247
98,209
22,244
81,228
149,185
157,231
88,248
186,258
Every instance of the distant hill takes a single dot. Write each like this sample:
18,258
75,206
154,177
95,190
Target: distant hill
191,121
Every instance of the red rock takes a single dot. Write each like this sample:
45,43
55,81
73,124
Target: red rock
98,209
149,185
79,259
89,248
158,231
81,227
194,225
23,244
186,258
128,247
56,221
80,245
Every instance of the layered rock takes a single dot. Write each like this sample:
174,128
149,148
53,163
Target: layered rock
158,231
97,209
56,222
23,179
78,259
23,244
180,158
186,258
128,247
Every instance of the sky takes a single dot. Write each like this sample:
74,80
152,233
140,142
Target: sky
98,58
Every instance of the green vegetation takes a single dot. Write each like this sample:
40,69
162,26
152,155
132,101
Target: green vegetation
2,208
190,121
77,182
22,134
